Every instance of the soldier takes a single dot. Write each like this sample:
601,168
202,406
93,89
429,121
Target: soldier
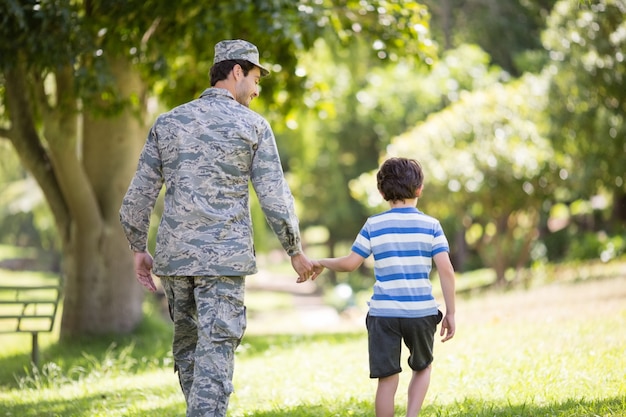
206,152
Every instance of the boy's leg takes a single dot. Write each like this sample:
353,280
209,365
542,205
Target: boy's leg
384,346
419,336
385,394
417,391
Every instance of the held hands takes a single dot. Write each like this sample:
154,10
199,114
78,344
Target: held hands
143,270
317,269
305,268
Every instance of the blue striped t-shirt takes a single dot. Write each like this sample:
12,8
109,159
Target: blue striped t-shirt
403,242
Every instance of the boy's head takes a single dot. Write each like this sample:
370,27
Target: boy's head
400,179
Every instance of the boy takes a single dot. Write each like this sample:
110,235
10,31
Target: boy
404,242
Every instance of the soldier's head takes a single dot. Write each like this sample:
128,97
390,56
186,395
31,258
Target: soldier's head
236,68
221,70
231,52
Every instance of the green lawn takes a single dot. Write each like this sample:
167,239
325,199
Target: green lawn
557,350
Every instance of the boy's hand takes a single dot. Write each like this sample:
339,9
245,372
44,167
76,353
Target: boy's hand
318,268
448,327
305,268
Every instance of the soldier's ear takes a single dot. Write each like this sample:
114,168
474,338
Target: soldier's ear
237,72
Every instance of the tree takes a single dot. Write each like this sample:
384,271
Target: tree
488,165
509,31
353,110
76,170
73,87
586,43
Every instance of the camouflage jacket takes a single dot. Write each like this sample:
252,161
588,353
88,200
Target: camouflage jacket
206,153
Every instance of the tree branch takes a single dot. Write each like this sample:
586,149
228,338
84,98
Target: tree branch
28,146
61,132
39,94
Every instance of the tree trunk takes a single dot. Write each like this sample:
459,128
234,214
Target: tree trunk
102,294
459,252
447,23
84,189
332,275
499,262
493,250
618,213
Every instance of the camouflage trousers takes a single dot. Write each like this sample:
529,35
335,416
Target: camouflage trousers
209,322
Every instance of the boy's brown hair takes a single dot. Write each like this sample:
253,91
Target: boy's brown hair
399,179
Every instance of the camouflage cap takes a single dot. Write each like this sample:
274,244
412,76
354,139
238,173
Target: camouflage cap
238,49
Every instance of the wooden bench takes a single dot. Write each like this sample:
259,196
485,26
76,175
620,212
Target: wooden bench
28,306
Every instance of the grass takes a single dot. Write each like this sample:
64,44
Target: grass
557,350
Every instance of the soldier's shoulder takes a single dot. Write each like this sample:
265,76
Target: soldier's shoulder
181,112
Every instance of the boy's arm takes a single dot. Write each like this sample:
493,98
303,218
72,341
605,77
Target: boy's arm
446,278
346,263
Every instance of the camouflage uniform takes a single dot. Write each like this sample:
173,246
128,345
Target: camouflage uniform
204,343
206,152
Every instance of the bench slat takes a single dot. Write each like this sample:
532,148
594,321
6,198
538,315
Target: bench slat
31,320
28,302
28,287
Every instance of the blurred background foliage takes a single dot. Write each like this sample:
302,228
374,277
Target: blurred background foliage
515,110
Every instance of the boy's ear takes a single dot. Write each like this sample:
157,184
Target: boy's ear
418,192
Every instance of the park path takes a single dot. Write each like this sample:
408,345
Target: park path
308,312
548,303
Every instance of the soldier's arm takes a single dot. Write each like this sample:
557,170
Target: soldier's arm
141,195
273,192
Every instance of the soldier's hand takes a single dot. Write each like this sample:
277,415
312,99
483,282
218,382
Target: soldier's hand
143,270
303,267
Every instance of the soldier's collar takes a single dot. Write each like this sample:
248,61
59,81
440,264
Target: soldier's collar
216,91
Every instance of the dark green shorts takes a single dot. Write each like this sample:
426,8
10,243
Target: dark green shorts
385,336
